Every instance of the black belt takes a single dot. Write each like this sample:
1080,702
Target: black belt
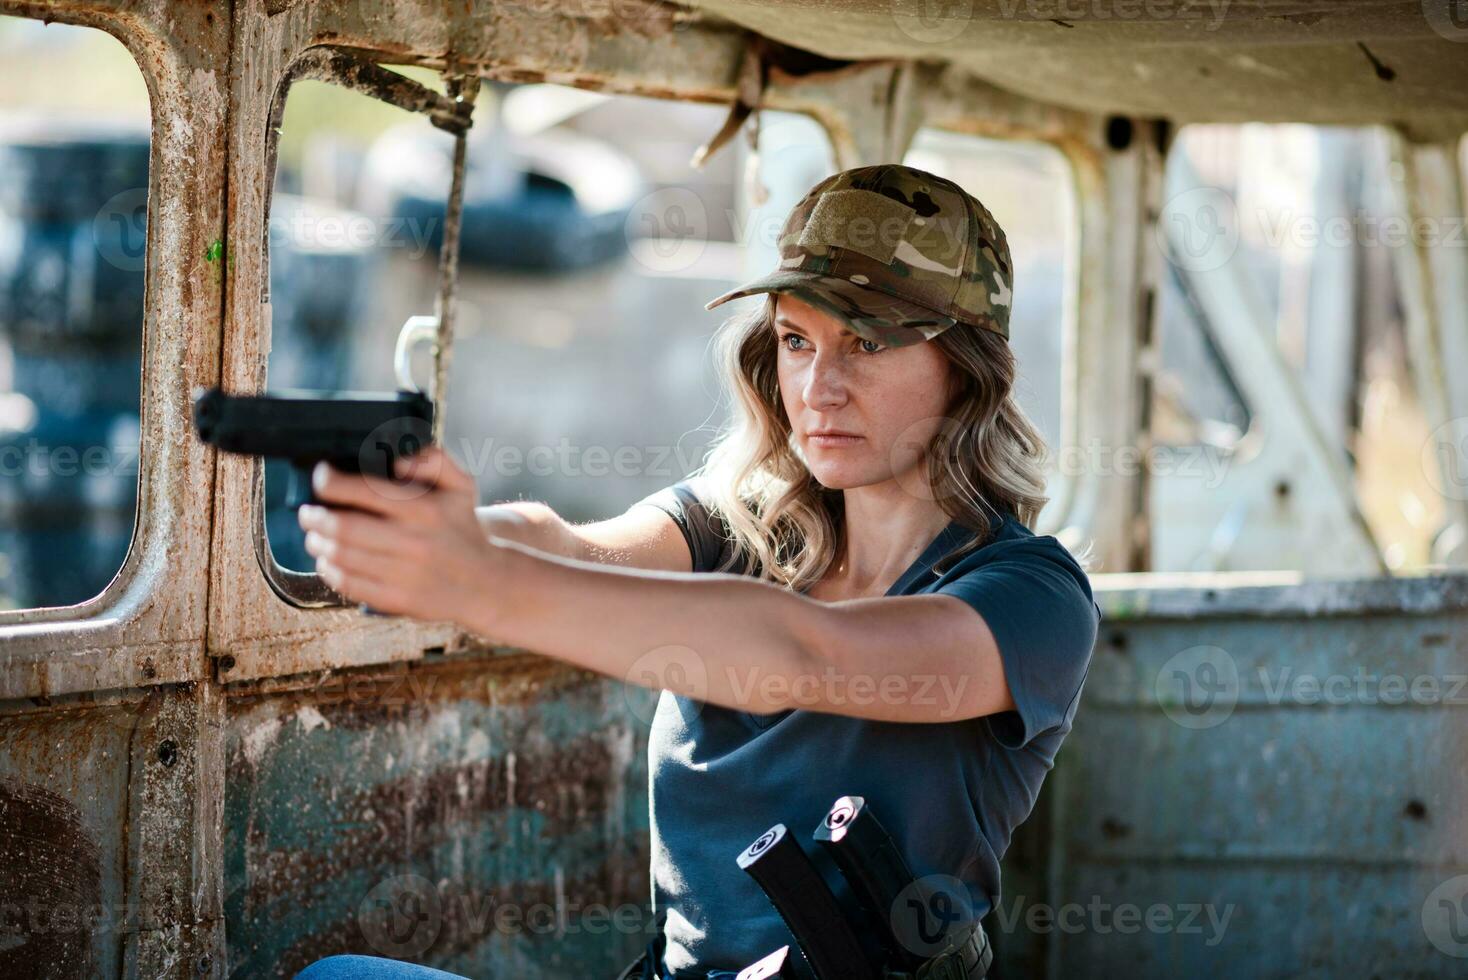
968,956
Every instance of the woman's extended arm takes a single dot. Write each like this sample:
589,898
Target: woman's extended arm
528,522
751,645
724,639
643,539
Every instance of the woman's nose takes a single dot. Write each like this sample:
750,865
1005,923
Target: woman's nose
826,384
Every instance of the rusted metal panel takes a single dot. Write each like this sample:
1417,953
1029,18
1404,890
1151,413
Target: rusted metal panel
148,626
489,791
109,835
1274,770
1279,61
64,908
175,825
1262,595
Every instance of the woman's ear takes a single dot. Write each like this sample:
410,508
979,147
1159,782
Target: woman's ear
952,384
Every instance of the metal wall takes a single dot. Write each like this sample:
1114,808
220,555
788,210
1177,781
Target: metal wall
488,817
1273,774
191,785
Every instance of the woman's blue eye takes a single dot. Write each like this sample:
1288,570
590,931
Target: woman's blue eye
795,336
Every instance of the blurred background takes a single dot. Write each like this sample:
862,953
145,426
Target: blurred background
581,374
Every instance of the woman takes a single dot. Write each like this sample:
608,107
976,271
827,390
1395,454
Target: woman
870,613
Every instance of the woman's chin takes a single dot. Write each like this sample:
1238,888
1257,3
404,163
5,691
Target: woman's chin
839,476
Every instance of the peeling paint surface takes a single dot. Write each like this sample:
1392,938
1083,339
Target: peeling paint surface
517,790
63,808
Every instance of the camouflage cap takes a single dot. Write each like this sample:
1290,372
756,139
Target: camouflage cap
898,253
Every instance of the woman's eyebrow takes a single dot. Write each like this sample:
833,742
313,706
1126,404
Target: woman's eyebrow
780,321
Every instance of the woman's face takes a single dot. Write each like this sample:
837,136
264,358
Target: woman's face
891,398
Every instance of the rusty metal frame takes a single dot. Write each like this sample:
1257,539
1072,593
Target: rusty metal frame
652,50
1117,188
142,641
658,51
129,636
1105,189
355,73
450,112
148,625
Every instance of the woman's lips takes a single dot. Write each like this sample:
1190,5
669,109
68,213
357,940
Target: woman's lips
833,441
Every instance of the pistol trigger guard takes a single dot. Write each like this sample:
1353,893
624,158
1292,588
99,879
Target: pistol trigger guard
416,330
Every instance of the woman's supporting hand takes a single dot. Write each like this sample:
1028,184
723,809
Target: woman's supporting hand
411,548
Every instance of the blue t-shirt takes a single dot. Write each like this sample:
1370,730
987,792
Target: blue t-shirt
949,793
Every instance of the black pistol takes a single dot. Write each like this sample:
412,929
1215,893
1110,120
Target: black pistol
795,887
356,432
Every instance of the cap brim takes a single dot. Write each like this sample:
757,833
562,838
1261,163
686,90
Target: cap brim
869,313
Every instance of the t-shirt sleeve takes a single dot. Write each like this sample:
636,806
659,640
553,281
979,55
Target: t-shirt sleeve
1037,601
708,542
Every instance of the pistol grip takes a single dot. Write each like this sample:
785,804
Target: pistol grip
298,489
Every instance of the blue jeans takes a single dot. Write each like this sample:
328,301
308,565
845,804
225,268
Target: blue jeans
351,967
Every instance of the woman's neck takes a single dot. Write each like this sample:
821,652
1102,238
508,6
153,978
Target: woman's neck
880,540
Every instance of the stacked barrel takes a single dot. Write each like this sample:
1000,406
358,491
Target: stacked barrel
73,216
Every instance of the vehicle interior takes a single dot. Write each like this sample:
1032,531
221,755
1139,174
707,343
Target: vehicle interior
1241,319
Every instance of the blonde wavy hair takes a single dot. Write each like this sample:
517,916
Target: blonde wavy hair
986,458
